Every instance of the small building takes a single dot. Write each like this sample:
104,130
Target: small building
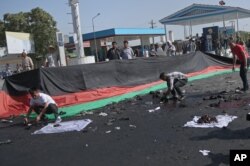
136,37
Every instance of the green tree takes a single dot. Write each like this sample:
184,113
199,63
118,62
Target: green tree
43,28
17,22
2,34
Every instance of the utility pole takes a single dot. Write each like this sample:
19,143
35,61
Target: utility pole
152,23
152,26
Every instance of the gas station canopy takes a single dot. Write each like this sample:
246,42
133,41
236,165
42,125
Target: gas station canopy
129,32
198,14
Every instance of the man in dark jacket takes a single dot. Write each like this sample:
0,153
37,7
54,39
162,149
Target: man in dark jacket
114,52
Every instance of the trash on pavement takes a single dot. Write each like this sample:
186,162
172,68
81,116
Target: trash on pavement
8,141
204,152
132,126
153,110
118,128
103,114
222,121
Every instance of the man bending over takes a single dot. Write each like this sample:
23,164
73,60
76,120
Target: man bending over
42,104
174,80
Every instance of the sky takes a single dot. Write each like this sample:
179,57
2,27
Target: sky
116,13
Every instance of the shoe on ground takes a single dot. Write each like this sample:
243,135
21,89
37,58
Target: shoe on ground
58,120
181,97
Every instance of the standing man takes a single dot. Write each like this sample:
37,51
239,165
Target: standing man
42,104
52,57
174,80
114,52
240,53
170,49
127,52
27,62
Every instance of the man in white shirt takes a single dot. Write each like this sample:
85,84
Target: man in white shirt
42,104
175,80
127,52
170,49
52,57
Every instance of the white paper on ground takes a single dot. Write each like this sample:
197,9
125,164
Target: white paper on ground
223,121
103,114
76,125
153,110
204,152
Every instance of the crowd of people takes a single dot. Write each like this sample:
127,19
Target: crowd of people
51,60
168,49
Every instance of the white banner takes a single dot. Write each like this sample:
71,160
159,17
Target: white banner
17,42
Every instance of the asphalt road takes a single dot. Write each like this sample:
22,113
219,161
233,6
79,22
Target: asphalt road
144,139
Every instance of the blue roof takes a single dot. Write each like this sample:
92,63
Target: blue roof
197,14
121,32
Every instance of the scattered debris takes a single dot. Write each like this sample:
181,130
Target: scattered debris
204,152
233,81
62,113
81,114
138,97
103,114
28,126
248,116
213,97
182,105
164,99
86,145
222,121
85,113
132,126
94,129
8,141
156,94
89,113
6,121
153,110
207,119
124,119
118,128
149,103
214,104
107,132
110,122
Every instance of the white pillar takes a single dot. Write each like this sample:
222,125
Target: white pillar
166,33
77,26
237,17
171,36
185,32
60,43
190,29
224,26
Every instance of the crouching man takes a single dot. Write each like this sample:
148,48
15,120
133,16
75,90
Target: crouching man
174,80
42,104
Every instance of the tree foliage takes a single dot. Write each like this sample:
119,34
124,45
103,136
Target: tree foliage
37,22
